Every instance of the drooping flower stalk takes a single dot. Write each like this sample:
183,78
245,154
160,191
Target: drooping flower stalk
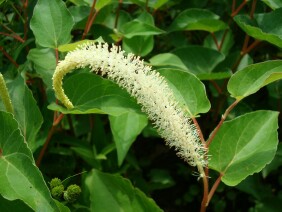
147,86
4,94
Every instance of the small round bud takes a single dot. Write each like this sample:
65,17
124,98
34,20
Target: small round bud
55,182
72,193
57,191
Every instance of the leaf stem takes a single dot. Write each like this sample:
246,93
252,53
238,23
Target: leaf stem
56,121
117,13
253,9
214,187
215,40
238,8
9,57
13,36
224,116
91,18
200,133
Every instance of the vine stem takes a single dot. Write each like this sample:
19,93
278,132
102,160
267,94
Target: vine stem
205,199
25,5
214,187
91,18
238,8
18,38
117,13
49,136
56,120
224,116
9,57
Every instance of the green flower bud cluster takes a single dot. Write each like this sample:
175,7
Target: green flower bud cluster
58,190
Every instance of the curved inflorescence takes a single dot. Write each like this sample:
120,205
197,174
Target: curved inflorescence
147,86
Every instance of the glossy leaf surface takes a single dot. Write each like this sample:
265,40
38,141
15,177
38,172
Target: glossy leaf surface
110,192
51,23
244,145
264,26
92,94
250,79
18,171
197,19
188,90
125,129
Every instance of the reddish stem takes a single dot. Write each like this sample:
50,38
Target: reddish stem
117,13
224,116
215,85
199,131
205,199
214,187
233,5
89,20
251,47
49,136
13,36
25,5
215,40
253,9
9,57
239,8
57,55
222,40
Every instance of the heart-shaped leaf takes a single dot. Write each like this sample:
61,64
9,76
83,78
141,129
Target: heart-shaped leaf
273,4
244,145
125,128
26,110
138,28
250,79
44,61
167,59
188,90
110,192
197,19
51,23
265,26
201,61
92,94
20,178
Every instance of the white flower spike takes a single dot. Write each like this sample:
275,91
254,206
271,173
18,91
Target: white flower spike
147,86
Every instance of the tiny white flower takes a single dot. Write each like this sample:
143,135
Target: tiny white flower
147,86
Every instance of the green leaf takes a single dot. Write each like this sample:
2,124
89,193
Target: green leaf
125,129
14,206
222,36
113,193
51,23
250,79
20,178
188,90
138,45
265,26
157,3
26,110
244,145
44,61
275,163
273,4
138,28
152,4
73,46
92,94
167,59
197,19
201,61
101,3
